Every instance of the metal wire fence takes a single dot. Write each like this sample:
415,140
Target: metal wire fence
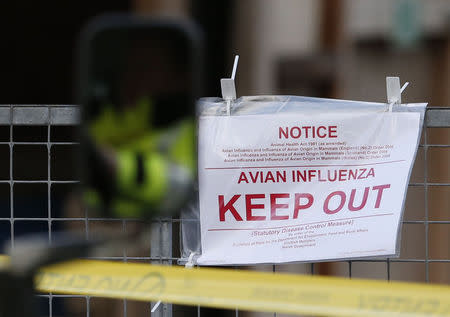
37,178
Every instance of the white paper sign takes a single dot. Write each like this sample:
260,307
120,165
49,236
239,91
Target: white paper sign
282,188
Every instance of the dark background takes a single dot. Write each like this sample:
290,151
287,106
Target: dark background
39,41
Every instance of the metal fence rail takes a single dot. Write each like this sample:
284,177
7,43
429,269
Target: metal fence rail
36,177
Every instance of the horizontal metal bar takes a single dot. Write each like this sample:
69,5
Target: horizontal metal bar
39,143
51,219
77,143
435,145
404,260
38,182
65,115
438,118
172,220
426,221
429,184
146,258
70,115
40,115
96,219
61,296
76,182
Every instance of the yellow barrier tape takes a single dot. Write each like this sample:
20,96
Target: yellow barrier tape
4,261
247,290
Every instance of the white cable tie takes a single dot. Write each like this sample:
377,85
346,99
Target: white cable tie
404,86
401,90
190,262
155,307
390,106
235,64
394,92
228,87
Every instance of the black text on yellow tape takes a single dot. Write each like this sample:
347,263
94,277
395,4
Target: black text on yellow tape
284,293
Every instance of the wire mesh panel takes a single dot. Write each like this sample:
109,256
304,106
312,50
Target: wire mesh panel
38,180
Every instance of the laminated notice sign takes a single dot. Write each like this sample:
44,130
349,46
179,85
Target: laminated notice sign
303,180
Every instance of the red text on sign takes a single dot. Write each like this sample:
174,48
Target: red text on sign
280,208
307,132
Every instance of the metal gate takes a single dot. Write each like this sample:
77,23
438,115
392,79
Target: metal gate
37,147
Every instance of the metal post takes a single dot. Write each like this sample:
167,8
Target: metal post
161,253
